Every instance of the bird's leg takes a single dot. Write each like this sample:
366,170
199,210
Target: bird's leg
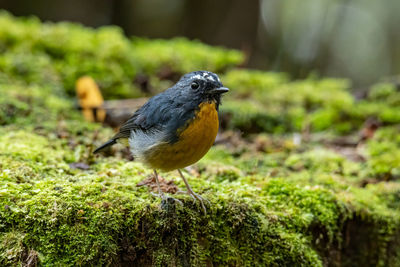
161,193
193,194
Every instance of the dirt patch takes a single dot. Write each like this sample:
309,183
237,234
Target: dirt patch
166,186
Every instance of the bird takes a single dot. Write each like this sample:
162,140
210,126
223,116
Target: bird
175,128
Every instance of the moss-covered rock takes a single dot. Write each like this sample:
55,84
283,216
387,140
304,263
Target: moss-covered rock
100,216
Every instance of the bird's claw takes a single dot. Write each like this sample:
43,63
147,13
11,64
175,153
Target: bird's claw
200,199
165,200
196,197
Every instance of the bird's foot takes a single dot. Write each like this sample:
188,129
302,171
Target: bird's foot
196,197
165,200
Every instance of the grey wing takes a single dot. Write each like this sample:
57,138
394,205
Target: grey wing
124,132
160,114
127,127
151,116
137,121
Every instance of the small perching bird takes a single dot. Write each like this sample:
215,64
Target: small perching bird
175,128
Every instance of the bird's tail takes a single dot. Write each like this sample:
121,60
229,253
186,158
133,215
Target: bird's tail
108,143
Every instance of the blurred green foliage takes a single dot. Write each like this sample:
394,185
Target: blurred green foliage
71,51
182,56
384,153
271,103
383,102
25,105
44,53
286,105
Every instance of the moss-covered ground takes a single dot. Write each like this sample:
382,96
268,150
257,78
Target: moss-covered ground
302,173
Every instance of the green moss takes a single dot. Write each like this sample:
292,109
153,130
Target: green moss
180,55
85,218
275,104
384,153
220,172
21,104
11,248
385,92
316,160
250,117
374,109
32,68
99,216
253,83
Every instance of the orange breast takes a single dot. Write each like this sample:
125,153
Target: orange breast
195,139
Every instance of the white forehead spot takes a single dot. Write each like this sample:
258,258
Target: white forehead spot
204,76
210,78
197,76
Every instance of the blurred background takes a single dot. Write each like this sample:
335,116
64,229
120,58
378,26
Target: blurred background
356,39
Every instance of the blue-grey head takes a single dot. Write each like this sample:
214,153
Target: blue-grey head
202,86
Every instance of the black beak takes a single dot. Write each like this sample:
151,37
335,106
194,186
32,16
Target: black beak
220,90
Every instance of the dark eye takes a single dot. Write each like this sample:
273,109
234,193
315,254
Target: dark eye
194,85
